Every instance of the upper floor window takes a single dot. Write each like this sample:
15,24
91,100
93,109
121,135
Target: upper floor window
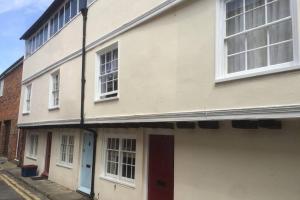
1,87
258,36
107,76
59,19
66,149
54,90
27,98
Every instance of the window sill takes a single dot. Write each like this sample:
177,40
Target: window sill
31,157
122,183
106,99
25,113
258,72
67,166
53,108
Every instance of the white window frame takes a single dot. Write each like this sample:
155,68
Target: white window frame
32,145
220,55
52,104
27,99
117,178
67,153
99,96
1,87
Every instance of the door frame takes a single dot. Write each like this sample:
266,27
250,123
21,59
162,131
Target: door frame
79,188
48,154
7,132
147,133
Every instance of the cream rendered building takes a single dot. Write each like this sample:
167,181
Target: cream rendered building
184,99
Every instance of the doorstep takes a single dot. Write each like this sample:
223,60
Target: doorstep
51,190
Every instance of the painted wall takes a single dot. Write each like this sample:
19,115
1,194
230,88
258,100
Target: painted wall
167,65
218,164
69,39
108,190
41,151
233,164
66,175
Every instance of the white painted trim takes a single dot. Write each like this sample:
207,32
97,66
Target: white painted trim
52,107
166,5
18,140
97,94
269,112
220,70
85,190
48,123
31,157
122,183
2,87
146,164
64,165
116,178
25,111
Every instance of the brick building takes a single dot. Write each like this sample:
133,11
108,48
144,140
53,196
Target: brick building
10,90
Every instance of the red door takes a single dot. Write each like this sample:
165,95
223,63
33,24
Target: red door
161,167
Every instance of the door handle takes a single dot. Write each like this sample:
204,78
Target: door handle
88,166
161,183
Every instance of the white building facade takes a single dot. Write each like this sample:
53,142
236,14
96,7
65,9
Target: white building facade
183,99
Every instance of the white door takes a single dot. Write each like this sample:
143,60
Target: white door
86,163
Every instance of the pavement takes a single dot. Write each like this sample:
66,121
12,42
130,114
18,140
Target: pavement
43,189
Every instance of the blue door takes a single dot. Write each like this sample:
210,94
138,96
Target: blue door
86,163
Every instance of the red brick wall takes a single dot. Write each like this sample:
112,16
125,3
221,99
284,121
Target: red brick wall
9,109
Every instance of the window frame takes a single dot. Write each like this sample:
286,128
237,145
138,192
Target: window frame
1,87
112,177
52,104
27,99
221,74
67,153
33,145
31,46
99,96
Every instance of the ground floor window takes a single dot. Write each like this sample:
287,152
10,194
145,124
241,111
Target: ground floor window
67,149
120,158
33,145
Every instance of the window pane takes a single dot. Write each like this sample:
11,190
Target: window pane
257,38
234,25
73,8
236,63
110,86
61,18
234,7
278,10
251,4
236,44
257,58
255,18
46,33
108,67
281,32
55,24
67,12
281,53
51,27
103,59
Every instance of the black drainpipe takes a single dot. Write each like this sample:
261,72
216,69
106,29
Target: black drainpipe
84,12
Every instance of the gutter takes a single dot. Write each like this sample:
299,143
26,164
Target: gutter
84,12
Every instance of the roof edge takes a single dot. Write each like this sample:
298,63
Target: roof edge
12,67
42,19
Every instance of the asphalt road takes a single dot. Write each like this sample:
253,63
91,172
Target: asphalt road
7,193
